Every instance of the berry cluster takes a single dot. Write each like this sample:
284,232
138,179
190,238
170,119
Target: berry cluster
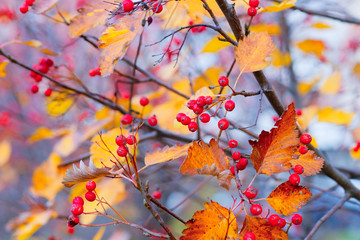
24,8
304,139
122,141
240,163
43,66
94,72
253,4
294,178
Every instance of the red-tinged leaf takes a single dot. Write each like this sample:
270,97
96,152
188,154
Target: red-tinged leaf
311,162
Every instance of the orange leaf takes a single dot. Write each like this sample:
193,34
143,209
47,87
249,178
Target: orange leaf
273,151
215,222
251,53
310,161
312,46
286,199
207,160
166,154
262,229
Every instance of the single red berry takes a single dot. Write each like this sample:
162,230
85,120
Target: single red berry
33,74
256,209
49,62
126,119
149,20
24,8
205,117
242,163
144,101
152,121
120,140
294,179
90,196
156,194
192,127
77,209
92,73
254,3
34,89
299,112
223,124
179,116
274,219
29,2
249,236
236,155
185,120
122,151
298,169
223,81
252,11
48,92
229,105
44,69
303,149
297,219
275,118
305,138
131,139
42,61
282,222
197,109
250,192
208,100
38,78
73,219
128,5
78,200
90,185
232,170
190,104
201,101
233,143
157,8
71,230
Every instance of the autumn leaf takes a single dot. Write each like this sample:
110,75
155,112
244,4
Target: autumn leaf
251,53
215,222
209,78
59,103
305,87
5,152
286,199
273,151
320,25
310,161
43,133
280,59
277,7
116,39
262,229
3,65
99,234
316,47
332,84
272,29
356,69
166,154
215,45
206,159
335,116
31,43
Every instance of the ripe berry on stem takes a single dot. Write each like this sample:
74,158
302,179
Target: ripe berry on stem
77,209
156,194
254,3
71,230
24,8
179,116
249,236
201,101
128,5
144,101
197,109
90,196
131,139
305,138
90,186
29,2
34,89
256,209
152,121
192,127
274,219
297,219
205,117
242,163
126,119
48,92
233,143
303,149
252,11
78,200
157,8
185,120
250,192
298,169
223,81
294,179
208,100
73,219
229,105
223,124
122,151
236,155
282,222
120,140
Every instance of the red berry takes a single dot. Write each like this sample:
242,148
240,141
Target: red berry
128,5
42,61
190,104
223,124
275,118
90,185
294,179
254,3
236,155
71,230
179,116
77,209
90,196
201,101
78,200
73,219
34,89
208,100
192,127
48,92
274,220
252,11
249,236
29,2
38,78
282,222
144,101
303,149
298,169
229,105
256,209
44,69
297,219
185,120
92,72
223,81
250,192
299,112
131,139
49,62
242,163
305,138
157,8
126,119
120,140
152,121
24,8
122,151
205,117
233,143
197,109
156,194
232,170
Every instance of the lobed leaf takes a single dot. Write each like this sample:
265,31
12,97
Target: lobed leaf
310,161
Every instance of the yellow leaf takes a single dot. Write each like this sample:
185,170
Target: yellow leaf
308,114
356,69
3,65
45,133
92,15
272,28
215,222
312,46
332,84
5,152
335,116
32,43
280,59
320,25
215,45
304,88
99,234
116,39
58,103
355,154
47,178
252,52
277,7
166,154
209,78
286,199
